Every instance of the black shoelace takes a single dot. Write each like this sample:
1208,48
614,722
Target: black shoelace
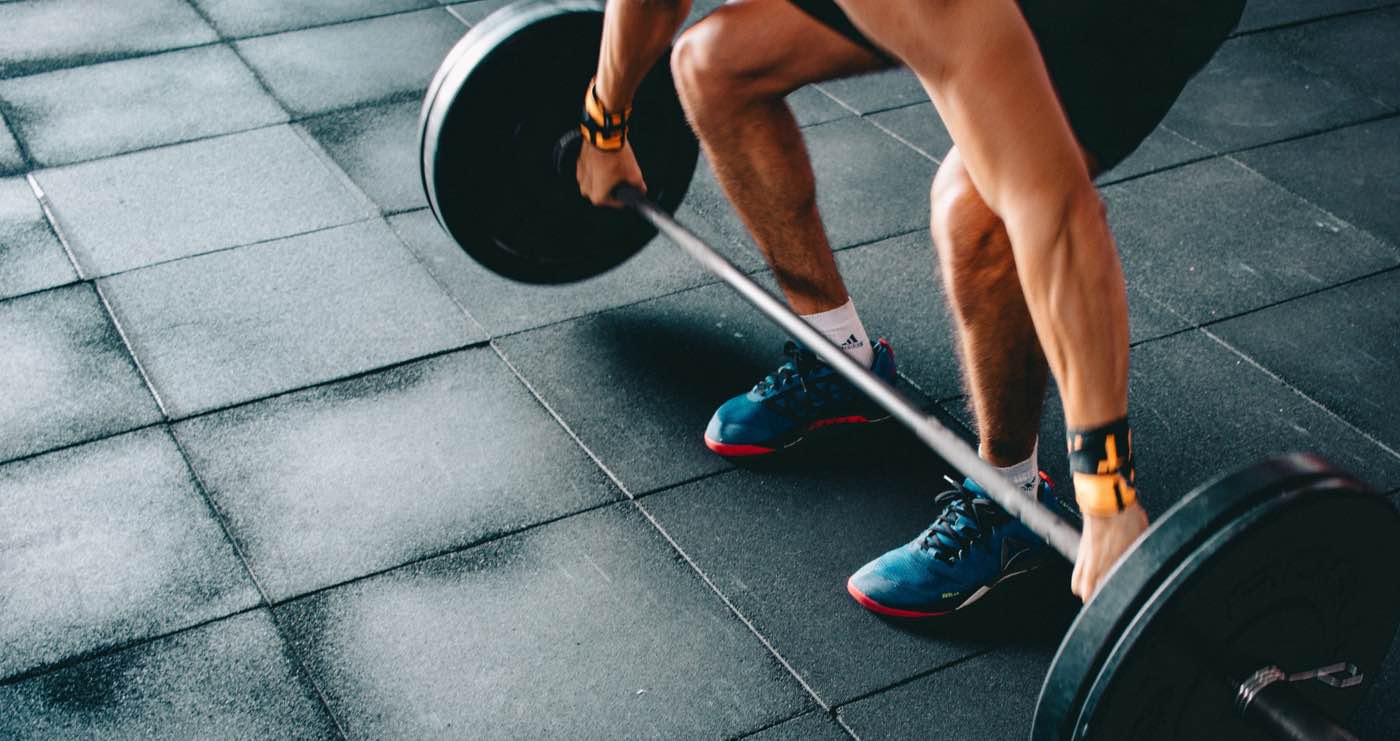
978,516
798,363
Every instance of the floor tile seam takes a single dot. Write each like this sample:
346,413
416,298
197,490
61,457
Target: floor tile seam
305,671
1290,299
80,443
220,38
446,552
894,135
456,14
1358,227
179,419
656,525
733,609
42,168
1309,133
131,351
7,126
1328,411
916,676
427,267
99,59
337,172
116,648
1309,21
72,258
101,277
686,482
51,217
314,26
774,724
45,289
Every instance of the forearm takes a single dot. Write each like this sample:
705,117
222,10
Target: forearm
635,35
1073,285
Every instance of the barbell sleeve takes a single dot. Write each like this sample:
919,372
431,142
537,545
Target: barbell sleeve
1058,532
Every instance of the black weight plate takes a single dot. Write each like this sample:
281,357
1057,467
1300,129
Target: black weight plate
502,100
1288,562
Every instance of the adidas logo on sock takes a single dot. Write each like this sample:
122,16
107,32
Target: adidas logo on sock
851,342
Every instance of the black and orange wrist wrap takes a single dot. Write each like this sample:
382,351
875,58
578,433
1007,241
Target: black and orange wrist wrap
603,129
1101,459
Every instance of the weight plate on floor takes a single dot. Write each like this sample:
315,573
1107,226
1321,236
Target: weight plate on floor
494,113
1288,563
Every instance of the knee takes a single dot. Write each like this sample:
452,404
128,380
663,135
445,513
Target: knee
712,70
965,229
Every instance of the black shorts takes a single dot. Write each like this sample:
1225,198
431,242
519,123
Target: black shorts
1117,65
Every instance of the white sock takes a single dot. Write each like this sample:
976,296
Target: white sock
842,326
1025,474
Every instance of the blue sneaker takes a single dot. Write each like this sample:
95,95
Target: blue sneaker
802,395
973,546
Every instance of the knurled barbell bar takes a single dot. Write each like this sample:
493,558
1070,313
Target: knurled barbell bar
1256,605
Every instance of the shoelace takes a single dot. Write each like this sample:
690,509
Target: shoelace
948,541
799,362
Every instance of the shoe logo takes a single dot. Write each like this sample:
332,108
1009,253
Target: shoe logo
1011,550
851,342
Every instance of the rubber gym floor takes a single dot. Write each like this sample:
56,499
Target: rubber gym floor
280,461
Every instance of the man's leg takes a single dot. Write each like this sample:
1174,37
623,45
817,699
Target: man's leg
982,67
1003,364
732,71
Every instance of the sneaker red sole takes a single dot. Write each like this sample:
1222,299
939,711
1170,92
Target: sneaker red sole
880,609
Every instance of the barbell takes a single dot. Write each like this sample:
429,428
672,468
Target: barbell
1255,607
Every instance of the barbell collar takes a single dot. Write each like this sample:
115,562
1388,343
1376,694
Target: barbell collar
1058,532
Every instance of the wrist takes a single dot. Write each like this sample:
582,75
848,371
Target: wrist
603,127
1101,460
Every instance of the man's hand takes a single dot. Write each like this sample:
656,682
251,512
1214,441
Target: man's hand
1103,541
600,172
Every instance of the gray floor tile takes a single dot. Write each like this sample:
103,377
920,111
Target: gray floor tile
378,148
1351,172
811,107
388,468
989,697
589,627
11,160
1213,239
62,33
638,384
869,186
473,12
231,679
1256,91
891,88
68,375
1361,49
813,726
1268,13
238,325
1163,148
98,110
31,257
163,204
108,543
503,306
347,64
1233,415
780,542
1339,346
239,18
918,126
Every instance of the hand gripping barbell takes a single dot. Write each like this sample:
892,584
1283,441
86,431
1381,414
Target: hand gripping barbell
1253,608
